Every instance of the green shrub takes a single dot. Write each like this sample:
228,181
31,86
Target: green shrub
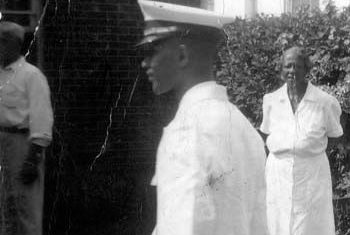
249,65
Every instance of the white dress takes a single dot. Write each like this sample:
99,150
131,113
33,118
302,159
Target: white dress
210,169
298,179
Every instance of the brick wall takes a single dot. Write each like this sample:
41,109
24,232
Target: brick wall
91,63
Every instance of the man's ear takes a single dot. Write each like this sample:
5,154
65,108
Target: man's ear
183,55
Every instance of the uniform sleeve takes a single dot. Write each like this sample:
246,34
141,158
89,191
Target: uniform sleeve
213,153
206,148
333,112
265,125
40,109
190,147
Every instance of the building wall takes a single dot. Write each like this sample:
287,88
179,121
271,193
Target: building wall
235,8
269,7
251,7
92,65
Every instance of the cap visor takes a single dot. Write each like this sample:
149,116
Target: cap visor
151,39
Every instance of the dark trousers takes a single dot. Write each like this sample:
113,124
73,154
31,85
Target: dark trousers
21,206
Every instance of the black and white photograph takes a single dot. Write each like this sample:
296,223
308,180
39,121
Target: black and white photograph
175,117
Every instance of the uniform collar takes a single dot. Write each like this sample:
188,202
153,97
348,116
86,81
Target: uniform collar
15,64
308,96
203,91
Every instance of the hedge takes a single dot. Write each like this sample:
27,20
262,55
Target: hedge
249,65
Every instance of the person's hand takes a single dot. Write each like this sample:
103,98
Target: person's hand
30,172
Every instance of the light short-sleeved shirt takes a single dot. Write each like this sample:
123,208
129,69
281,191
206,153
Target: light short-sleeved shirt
25,101
210,169
305,132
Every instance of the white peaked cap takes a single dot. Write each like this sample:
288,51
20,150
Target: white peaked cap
164,19
153,10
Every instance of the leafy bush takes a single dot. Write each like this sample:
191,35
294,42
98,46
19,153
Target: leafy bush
249,62
249,65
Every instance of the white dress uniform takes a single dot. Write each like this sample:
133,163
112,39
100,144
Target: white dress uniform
210,169
299,187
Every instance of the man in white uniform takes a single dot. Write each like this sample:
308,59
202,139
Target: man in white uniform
210,161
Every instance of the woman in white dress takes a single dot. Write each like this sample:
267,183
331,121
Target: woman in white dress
299,120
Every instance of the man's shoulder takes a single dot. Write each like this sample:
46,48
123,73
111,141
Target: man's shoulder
33,73
215,114
214,108
30,68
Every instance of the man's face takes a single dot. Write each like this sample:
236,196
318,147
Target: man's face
160,64
3,46
293,68
9,48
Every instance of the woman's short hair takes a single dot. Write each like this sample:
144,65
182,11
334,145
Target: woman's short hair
301,53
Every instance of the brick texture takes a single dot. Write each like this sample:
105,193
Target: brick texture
91,63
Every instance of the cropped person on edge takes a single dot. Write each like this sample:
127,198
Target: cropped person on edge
299,120
25,130
210,160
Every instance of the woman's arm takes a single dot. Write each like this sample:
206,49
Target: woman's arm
263,135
